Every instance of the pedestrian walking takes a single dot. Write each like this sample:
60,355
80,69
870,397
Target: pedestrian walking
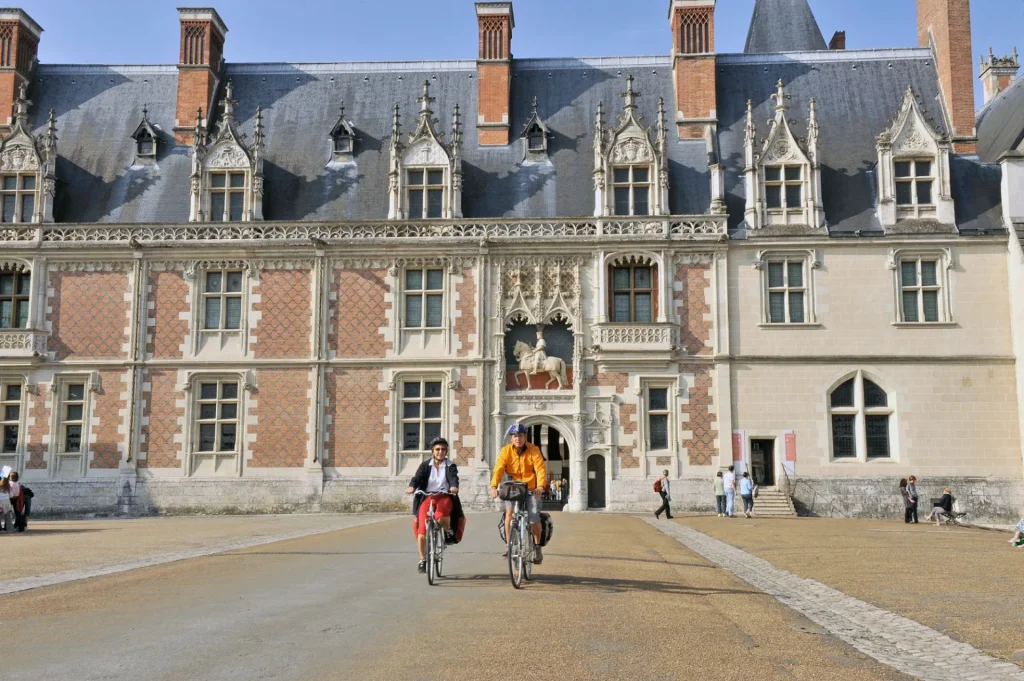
662,487
6,509
906,500
747,494
729,481
912,493
1018,535
720,494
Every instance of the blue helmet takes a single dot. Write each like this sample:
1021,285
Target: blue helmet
517,429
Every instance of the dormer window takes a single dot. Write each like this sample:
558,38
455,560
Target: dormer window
28,167
145,137
227,197
914,180
632,187
784,186
425,193
145,145
18,197
342,139
343,144
537,141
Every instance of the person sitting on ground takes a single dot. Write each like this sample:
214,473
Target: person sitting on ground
945,507
437,475
1018,536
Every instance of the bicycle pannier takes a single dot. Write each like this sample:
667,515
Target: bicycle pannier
501,528
513,491
546,530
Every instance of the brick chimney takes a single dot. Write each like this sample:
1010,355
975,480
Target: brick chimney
19,45
693,65
838,41
200,64
494,72
945,26
997,73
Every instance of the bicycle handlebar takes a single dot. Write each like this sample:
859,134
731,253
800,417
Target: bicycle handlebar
432,494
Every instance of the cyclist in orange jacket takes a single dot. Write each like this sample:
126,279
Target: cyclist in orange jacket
523,462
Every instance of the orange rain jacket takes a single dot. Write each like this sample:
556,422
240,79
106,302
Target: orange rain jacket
528,467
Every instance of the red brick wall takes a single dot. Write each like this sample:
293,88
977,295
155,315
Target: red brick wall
696,95
168,300
359,313
105,438
493,84
40,412
89,314
359,410
465,322
195,90
691,306
464,405
627,413
950,24
702,447
286,317
162,413
282,418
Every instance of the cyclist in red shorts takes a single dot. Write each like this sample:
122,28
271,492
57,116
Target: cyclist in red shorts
439,474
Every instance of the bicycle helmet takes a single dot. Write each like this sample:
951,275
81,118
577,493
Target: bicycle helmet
438,441
517,429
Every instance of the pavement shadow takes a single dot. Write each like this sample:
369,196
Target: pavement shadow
548,554
44,531
598,584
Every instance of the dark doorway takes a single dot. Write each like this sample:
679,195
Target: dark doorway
762,462
595,481
555,450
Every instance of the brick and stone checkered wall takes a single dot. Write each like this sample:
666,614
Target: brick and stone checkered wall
285,314
359,313
107,441
465,312
691,292
697,416
465,403
280,427
88,315
167,314
39,430
627,415
160,444
358,428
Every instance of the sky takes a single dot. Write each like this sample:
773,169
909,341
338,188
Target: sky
145,31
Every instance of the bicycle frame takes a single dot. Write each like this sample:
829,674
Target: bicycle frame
520,546
434,538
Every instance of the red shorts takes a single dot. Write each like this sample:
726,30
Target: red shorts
442,509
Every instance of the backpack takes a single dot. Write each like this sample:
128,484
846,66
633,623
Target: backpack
657,485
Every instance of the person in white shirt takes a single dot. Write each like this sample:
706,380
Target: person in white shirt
439,474
666,497
729,479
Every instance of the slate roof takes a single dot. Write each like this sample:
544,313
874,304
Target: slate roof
1001,123
783,26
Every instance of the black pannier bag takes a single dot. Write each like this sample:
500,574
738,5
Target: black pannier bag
547,528
513,491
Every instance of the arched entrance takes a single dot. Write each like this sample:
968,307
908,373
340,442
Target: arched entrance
555,449
595,481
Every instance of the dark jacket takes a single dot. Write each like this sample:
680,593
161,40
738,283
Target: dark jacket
946,504
422,477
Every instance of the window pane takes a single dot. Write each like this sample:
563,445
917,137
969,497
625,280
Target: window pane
776,275
432,410
874,396
924,191
435,177
796,307
903,195
435,279
213,282
6,284
620,278
923,169
878,436
843,437
411,436
413,280
902,168
642,277
410,410
432,389
434,311
415,204
536,141
794,195
622,200
228,391
237,200
12,412
414,311
229,410
207,391
73,412
76,391
793,173
234,282
659,399
622,175
644,313
207,437
430,431
411,389
796,274
216,207
641,204
910,307
8,208
217,180
13,392
233,313
23,284
211,319
28,206
237,180
931,305
773,196
777,308
641,175
415,177
145,146
620,308
6,314
908,273
207,411
659,431
928,273
435,207
843,395
28,182
227,437
73,438
772,174
10,182
10,443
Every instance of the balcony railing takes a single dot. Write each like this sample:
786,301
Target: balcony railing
636,338
22,342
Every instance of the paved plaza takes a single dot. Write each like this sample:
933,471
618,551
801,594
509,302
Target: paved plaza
618,597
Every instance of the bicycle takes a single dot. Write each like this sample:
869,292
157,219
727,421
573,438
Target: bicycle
435,539
520,543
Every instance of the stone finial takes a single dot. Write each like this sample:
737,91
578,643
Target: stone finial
780,97
630,95
229,103
425,99
22,104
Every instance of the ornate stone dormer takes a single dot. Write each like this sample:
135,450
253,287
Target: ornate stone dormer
425,181
536,135
227,171
913,169
28,178
147,139
630,169
342,140
783,173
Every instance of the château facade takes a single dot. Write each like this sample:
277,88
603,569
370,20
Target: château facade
254,287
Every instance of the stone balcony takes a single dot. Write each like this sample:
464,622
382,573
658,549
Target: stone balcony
22,343
635,343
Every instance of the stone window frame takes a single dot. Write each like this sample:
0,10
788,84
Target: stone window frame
945,263
423,293
57,452
20,193
426,188
192,391
195,275
395,383
630,185
673,394
660,298
228,190
811,263
222,296
860,412
914,208
784,184
14,458
18,271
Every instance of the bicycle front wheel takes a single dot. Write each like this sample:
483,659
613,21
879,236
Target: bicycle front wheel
515,559
528,556
431,553
438,549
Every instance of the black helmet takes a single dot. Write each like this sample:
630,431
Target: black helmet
438,441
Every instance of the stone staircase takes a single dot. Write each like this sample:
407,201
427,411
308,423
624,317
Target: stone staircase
772,502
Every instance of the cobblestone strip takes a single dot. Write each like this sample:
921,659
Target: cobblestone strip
26,583
899,642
